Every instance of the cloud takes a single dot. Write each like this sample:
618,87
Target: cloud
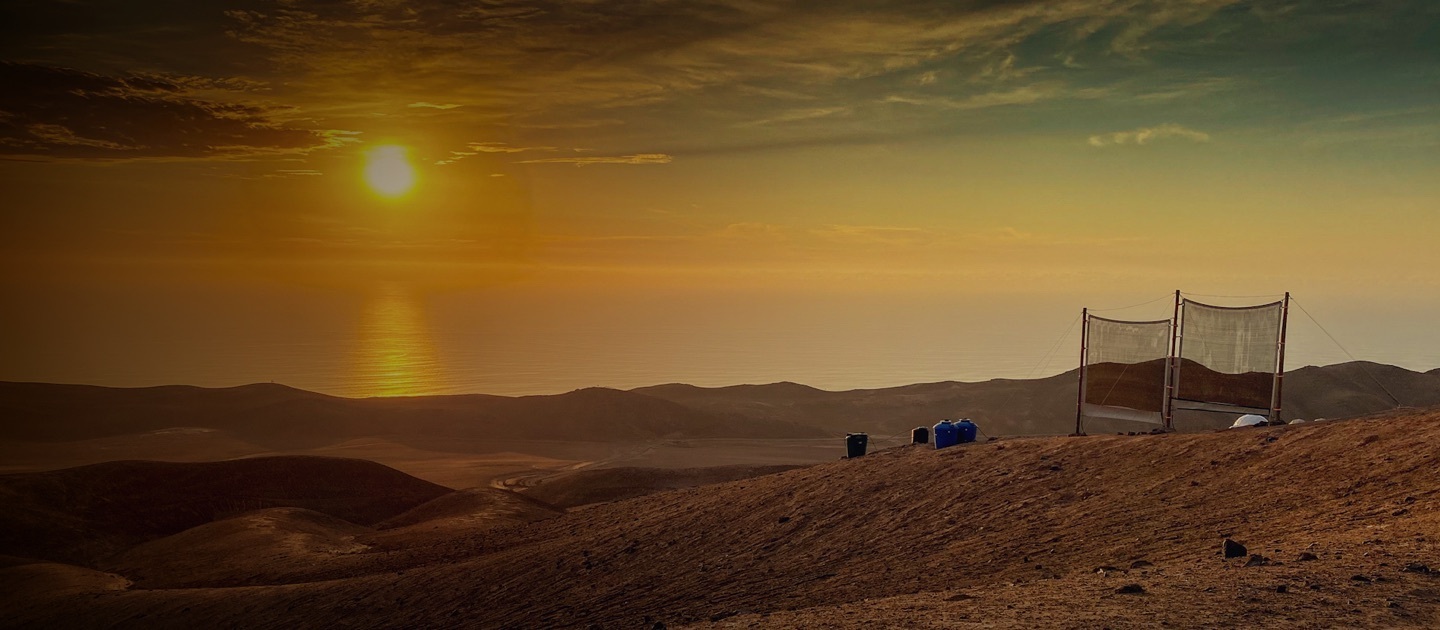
63,113
639,158
796,115
1022,95
501,147
476,148
1146,135
870,234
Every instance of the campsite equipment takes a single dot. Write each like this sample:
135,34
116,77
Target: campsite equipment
920,435
968,431
1249,420
855,444
946,434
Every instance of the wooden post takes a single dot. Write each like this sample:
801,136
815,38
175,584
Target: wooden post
1275,396
1080,395
1171,364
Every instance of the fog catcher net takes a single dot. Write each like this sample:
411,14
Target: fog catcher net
1124,369
1228,357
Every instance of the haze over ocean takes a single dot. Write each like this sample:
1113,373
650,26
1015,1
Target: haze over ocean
517,340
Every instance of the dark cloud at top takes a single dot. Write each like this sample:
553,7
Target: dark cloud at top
59,112
688,72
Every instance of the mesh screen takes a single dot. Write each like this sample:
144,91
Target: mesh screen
1228,355
1125,363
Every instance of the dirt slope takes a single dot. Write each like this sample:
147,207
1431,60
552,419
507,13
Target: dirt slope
1017,526
584,487
83,514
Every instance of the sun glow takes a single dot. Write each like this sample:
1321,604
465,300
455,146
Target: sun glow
388,170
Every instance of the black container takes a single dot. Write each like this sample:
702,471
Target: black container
920,435
855,444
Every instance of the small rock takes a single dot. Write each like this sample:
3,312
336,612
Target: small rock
1306,556
1232,549
1359,578
1105,569
1257,560
1400,512
1282,589
783,519
1140,564
724,614
1416,567
958,597
1131,589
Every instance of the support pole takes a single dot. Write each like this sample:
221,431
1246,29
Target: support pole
1080,395
1275,395
1170,366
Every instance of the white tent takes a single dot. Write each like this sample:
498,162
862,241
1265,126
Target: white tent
1249,420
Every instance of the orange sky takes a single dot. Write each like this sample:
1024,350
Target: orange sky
1078,153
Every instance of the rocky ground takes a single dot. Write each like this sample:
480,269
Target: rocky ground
1339,520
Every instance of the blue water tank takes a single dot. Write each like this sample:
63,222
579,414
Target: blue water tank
968,430
945,434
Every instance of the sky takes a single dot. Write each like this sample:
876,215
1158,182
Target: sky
884,180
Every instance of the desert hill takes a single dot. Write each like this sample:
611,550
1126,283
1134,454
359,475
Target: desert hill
281,417
1044,406
473,508
276,417
83,514
1342,518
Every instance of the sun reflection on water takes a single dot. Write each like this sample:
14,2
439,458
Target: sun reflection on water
396,354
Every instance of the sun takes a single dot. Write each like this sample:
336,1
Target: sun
388,170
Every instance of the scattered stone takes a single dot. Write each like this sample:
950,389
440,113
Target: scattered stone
1105,569
1232,549
783,519
1054,467
1194,483
1359,578
1131,589
1306,556
1400,512
1140,564
958,597
1282,589
1257,560
1416,567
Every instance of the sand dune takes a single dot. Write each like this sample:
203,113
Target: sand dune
1014,533
270,546
474,508
83,514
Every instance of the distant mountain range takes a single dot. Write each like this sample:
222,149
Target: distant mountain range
283,417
